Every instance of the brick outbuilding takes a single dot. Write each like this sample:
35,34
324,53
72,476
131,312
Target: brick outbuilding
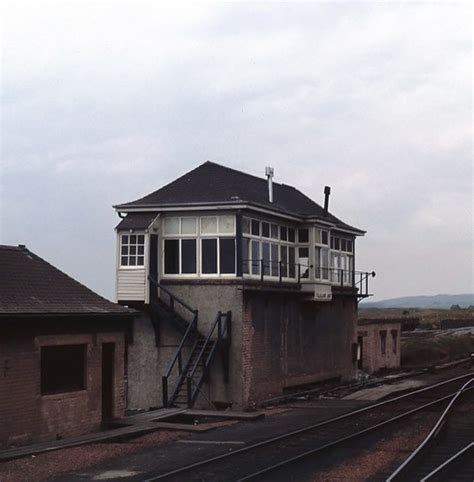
62,352
378,344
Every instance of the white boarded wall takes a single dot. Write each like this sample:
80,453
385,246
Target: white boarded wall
131,284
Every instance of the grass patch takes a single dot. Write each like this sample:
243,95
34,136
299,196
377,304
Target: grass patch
433,350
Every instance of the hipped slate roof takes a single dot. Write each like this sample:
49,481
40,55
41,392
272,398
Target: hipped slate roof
30,286
211,183
136,221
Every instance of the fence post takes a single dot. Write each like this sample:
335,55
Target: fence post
366,283
279,266
261,269
341,274
299,272
164,384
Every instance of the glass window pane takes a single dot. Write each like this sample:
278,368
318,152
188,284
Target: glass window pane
171,256
265,230
255,257
274,259
317,236
283,233
317,263
284,261
124,261
245,225
291,235
188,226
209,225
227,255
336,243
292,261
274,231
171,225
325,263
133,239
124,238
255,227
303,235
141,250
209,256
226,224
266,258
349,245
133,250
324,237
245,255
140,260
188,256
125,250
141,239
343,245
132,261
303,260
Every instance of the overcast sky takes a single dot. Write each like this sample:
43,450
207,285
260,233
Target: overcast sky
105,102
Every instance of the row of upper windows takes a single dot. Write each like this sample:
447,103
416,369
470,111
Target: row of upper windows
207,226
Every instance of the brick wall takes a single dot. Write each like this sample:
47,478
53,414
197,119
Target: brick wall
26,415
373,357
289,342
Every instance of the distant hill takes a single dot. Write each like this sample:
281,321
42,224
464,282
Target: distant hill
436,301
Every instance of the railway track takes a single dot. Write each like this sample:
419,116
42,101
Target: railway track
264,459
447,453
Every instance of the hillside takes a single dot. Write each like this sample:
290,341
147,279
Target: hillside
424,302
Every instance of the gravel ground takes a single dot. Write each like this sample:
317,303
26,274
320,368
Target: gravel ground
51,464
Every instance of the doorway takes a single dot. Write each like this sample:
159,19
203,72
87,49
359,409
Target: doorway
108,355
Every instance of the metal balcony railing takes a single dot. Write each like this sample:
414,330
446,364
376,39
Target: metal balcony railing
279,271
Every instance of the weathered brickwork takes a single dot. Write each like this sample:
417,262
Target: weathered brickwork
376,353
279,341
290,342
26,415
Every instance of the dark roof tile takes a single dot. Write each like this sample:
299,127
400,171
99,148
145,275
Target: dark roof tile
30,285
213,183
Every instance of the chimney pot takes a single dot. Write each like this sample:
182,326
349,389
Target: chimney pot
269,173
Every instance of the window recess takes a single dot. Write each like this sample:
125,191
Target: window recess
63,368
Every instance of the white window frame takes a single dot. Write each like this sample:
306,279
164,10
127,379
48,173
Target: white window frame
145,247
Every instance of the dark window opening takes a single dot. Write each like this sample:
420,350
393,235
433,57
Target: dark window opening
394,341
227,255
255,227
292,262
265,230
209,256
188,256
171,256
283,233
245,255
383,342
255,257
303,235
266,258
324,237
63,368
291,235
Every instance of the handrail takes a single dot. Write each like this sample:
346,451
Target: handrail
296,272
221,333
433,433
192,325
171,295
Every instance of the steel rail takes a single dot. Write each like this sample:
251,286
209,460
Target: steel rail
436,473
277,438
429,438
345,439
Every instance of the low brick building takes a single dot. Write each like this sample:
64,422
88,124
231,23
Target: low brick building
62,352
378,344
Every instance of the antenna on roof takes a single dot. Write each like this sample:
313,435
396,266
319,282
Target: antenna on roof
327,192
269,173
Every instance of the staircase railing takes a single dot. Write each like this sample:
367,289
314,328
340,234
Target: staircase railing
222,325
188,337
172,297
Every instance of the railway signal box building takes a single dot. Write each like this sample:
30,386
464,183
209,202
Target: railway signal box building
246,288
